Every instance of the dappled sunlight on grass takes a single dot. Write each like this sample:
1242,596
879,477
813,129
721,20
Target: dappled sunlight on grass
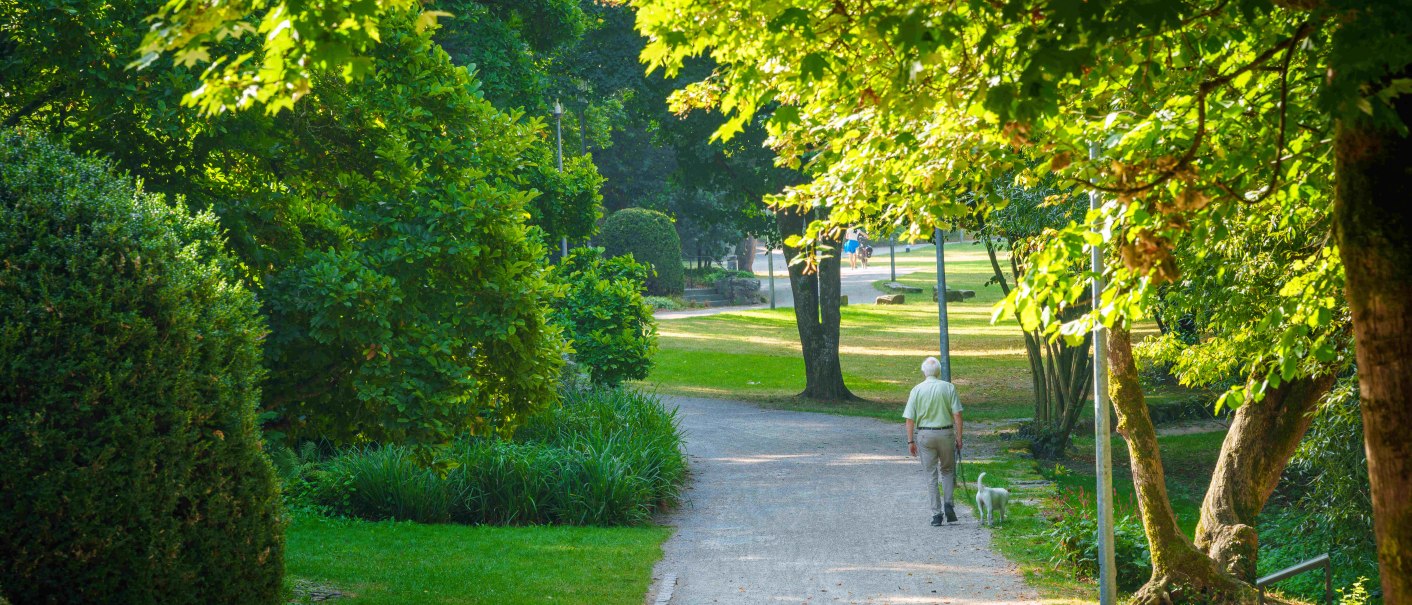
755,354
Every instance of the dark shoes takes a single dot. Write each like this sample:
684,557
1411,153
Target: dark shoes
950,514
936,520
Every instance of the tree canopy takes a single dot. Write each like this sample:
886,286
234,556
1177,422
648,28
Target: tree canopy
1198,120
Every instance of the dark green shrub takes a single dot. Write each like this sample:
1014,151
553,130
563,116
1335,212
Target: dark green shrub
133,470
706,277
664,303
1324,503
1074,530
649,237
602,311
603,457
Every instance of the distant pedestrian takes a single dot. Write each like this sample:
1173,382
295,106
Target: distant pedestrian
934,430
852,244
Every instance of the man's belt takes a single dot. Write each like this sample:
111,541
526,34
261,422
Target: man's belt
933,428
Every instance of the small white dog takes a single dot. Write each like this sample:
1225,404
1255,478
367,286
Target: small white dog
990,502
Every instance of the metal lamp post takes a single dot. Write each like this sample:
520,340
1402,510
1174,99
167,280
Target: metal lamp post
941,307
559,161
1103,455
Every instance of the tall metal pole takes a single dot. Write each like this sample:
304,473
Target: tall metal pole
945,357
559,161
770,260
1103,455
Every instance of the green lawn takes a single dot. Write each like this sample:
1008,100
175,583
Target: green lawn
755,355
414,564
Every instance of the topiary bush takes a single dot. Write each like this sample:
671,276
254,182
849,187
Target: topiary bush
602,312
133,470
649,237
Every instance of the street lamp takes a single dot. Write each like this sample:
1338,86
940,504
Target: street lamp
1102,454
559,161
942,326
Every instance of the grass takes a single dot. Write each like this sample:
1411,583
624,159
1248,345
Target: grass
391,563
755,355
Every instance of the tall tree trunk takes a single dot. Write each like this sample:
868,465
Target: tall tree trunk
1180,572
583,130
745,254
816,313
1373,221
1259,444
1060,379
1038,382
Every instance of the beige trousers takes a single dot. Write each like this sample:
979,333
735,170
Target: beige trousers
937,451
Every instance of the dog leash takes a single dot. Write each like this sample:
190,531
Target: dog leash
961,476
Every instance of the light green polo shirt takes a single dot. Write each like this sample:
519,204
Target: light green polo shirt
932,403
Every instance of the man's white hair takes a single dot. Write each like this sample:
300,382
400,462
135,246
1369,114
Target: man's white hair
931,367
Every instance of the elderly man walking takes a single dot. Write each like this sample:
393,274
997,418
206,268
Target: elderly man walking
934,429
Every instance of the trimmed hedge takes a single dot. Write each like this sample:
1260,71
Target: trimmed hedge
650,238
130,365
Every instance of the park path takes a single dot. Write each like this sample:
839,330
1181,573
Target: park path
794,507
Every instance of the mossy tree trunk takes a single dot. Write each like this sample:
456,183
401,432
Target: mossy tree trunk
817,315
1180,572
1373,221
1254,454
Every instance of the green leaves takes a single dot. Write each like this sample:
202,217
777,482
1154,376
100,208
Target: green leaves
602,311
280,46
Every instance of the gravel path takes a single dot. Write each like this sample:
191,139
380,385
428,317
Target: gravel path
791,507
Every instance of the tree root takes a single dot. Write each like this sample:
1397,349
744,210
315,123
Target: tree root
1185,589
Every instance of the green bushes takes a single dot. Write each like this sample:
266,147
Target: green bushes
706,277
602,311
664,303
133,471
603,457
1074,530
649,236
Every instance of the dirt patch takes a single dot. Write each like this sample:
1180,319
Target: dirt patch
309,591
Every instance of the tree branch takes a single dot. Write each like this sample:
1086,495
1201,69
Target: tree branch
1203,91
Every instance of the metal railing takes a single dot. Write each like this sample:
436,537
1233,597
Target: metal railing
1294,570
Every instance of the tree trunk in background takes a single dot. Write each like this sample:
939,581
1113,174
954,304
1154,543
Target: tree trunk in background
1180,572
816,312
1259,444
1059,373
1373,222
745,254
583,132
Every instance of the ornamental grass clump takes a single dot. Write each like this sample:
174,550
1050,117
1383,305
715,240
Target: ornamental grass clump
133,470
605,456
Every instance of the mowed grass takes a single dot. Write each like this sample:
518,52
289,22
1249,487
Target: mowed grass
400,563
755,355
